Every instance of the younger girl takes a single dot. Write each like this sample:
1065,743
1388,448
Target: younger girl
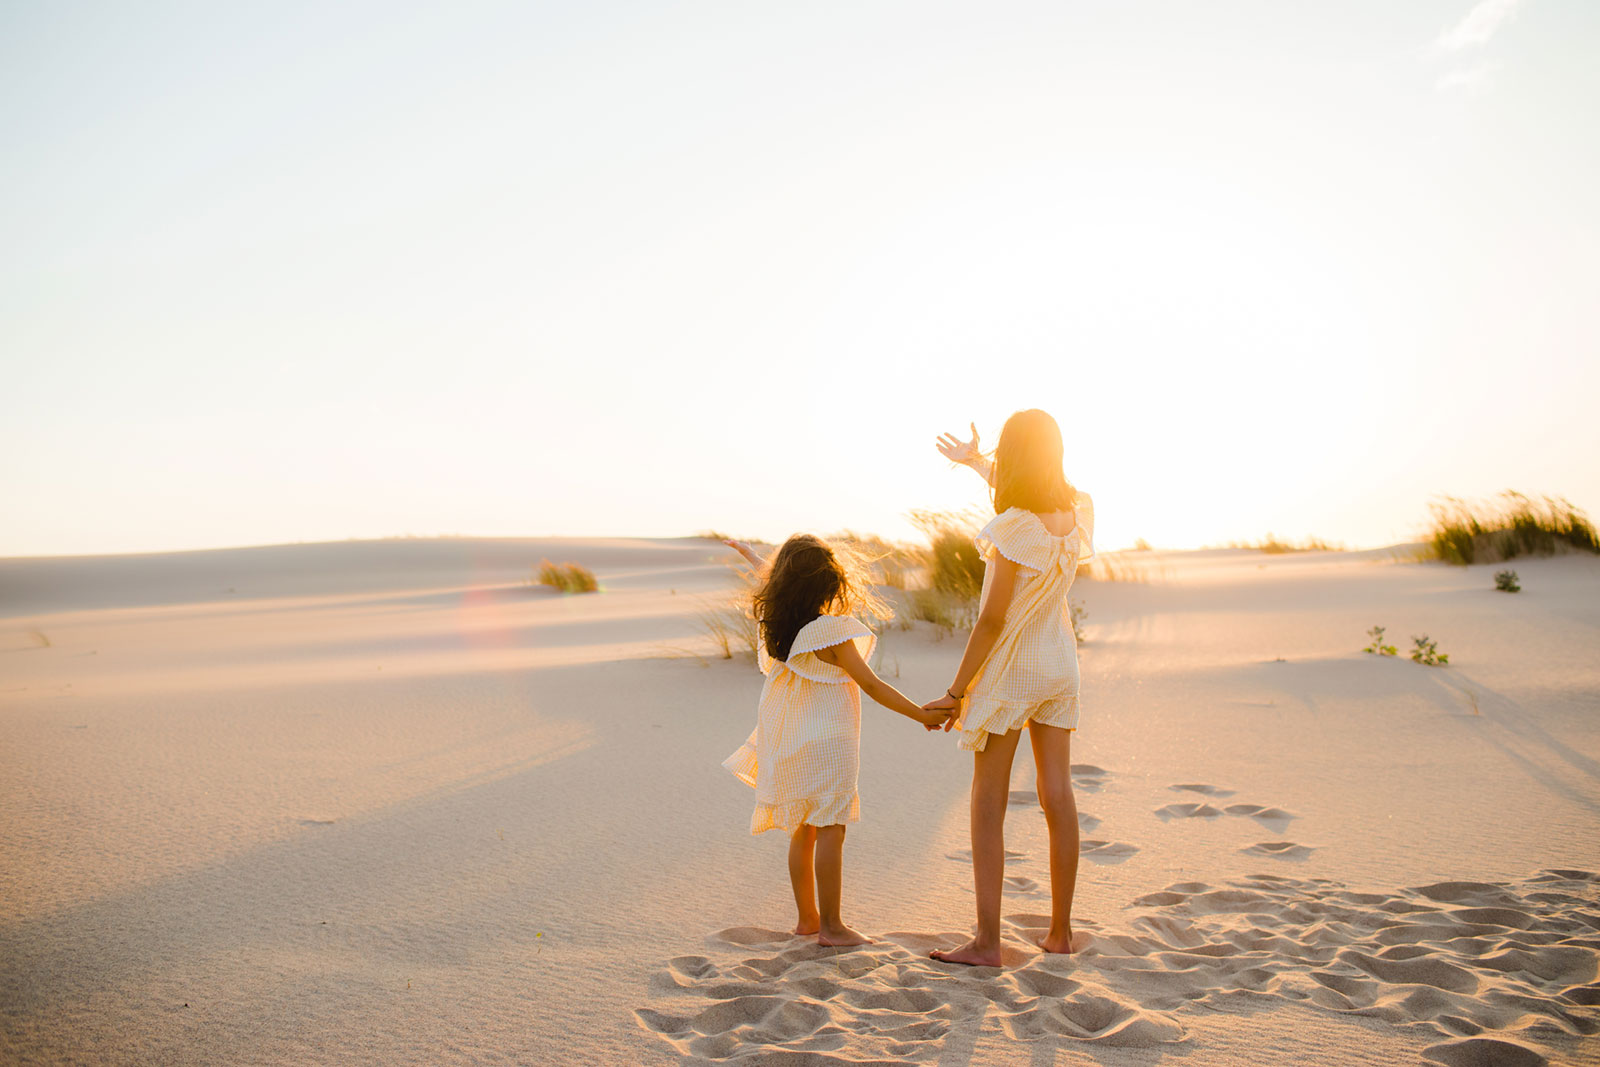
803,755
1021,666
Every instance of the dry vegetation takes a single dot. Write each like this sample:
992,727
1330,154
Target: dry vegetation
1274,547
567,577
731,627
1512,525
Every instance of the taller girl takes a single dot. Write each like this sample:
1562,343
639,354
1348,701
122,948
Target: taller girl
1021,666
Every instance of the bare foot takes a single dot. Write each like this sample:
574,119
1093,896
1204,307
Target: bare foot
1068,944
969,954
808,926
840,936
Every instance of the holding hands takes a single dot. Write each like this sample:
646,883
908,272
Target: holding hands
948,708
937,718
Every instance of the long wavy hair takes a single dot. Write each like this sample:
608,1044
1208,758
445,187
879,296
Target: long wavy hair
806,577
1027,466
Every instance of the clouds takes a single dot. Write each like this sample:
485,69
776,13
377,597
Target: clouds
1479,25
1475,30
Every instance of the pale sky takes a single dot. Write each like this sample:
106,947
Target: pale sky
309,271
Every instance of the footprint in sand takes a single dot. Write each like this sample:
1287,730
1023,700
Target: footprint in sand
1498,972
1484,1052
883,1003
1491,972
1204,790
1279,850
1087,778
1187,811
1105,852
1272,818
1016,883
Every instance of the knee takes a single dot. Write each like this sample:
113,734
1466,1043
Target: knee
989,799
1058,803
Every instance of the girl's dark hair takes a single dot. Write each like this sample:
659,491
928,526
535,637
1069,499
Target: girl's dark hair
805,578
1027,466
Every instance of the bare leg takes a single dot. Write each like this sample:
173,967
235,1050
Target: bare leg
803,880
991,788
1052,755
830,883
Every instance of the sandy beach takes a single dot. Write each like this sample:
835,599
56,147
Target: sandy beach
384,802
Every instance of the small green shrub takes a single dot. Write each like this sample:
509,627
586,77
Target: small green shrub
567,577
1516,525
1506,582
1427,651
1378,648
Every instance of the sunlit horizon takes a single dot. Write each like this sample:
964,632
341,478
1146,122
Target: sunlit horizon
304,275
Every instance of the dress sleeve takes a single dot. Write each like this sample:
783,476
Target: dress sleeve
1018,536
825,631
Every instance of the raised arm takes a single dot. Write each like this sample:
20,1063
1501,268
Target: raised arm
966,453
747,552
846,656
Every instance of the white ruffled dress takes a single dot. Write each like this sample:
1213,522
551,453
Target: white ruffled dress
1032,674
805,753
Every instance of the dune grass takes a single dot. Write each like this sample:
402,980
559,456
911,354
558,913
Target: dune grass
731,627
1114,568
1511,525
567,577
888,563
1274,547
951,571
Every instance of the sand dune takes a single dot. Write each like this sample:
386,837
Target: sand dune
385,803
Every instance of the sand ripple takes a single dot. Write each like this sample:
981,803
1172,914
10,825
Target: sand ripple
1499,973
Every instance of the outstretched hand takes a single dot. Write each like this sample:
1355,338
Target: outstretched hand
949,707
956,450
744,549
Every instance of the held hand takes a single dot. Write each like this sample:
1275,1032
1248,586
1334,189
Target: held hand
947,710
958,451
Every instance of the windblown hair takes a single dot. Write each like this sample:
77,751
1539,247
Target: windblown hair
1027,466
808,576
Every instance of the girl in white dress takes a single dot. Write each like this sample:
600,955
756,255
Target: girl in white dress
1021,666
804,754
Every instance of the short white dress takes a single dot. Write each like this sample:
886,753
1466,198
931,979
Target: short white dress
1032,674
805,753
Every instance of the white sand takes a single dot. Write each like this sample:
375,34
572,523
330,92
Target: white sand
376,802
